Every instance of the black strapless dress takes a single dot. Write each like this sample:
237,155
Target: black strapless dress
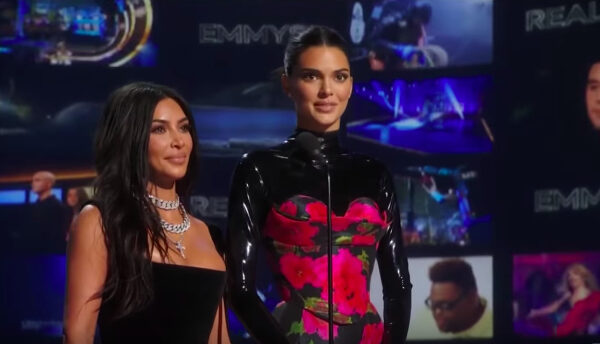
183,310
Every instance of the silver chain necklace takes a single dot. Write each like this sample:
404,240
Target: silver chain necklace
179,245
162,204
179,228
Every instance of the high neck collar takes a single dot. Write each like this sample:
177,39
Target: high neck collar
330,141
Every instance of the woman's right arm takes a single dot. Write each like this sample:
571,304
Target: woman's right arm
247,209
549,309
86,273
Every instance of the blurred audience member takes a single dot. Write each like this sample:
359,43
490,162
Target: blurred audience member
49,217
76,198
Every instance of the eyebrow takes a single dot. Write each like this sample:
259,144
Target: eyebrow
318,71
165,121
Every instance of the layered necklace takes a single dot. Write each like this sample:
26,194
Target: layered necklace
179,228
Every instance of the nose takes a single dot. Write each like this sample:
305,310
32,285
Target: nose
177,140
325,90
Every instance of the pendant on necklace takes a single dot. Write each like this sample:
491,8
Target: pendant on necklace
180,248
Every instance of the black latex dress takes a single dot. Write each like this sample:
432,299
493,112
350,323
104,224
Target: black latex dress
278,200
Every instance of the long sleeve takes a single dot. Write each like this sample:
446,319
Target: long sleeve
393,267
247,210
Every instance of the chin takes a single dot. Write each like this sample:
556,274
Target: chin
178,176
442,327
173,175
443,330
326,124
326,127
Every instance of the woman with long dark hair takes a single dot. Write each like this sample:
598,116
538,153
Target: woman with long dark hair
278,200
138,264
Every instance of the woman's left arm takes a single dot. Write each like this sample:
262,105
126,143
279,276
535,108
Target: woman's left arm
393,268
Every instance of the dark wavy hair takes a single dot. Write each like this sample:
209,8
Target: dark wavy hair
313,36
130,223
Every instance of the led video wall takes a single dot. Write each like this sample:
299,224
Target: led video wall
434,116
556,294
484,112
409,34
63,32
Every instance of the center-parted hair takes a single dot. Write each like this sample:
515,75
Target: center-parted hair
130,223
453,270
314,36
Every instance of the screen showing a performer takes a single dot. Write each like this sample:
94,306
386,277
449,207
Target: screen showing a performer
442,205
556,294
410,34
434,116
63,32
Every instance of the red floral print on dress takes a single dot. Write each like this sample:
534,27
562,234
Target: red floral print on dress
313,324
316,210
289,208
372,334
288,230
363,240
356,212
367,211
297,270
298,229
350,293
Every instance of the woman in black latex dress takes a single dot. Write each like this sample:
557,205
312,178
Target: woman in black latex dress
278,201
137,264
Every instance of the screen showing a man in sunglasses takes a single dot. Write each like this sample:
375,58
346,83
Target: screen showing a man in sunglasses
454,299
454,302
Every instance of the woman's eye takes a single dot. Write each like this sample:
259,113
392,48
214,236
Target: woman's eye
157,130
309,76
186,128
341,77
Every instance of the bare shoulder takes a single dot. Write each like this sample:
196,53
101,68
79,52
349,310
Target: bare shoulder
88,228
198,223
90,214
91,218
211,233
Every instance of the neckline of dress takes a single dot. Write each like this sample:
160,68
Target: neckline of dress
329,141
179,266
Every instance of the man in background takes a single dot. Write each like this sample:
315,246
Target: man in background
455,304
48,217
592,95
